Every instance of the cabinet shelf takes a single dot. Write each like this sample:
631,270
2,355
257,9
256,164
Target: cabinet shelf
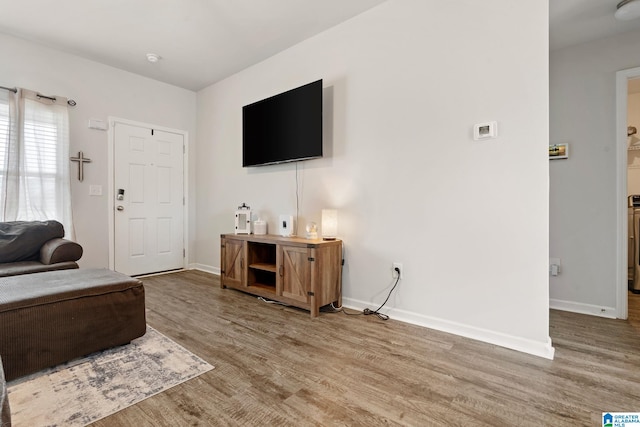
265,286
263,266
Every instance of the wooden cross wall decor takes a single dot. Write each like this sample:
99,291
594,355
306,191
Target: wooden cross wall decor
81,161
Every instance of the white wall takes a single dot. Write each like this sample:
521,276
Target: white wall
583,188
100,91
404,84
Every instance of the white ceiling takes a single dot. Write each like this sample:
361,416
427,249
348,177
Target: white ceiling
199,41
203,41
577,21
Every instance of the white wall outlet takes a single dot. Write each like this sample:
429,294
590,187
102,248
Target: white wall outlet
554,266
394,273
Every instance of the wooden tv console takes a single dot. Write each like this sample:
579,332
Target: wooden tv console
296,271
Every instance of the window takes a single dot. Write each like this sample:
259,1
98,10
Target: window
4,140
34,159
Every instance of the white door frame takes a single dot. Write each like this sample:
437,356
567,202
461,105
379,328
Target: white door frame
622,78
111,196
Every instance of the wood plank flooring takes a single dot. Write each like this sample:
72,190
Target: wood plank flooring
274,366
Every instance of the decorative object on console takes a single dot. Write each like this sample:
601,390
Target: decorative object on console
329,224
312,230
286,225
259,227
243,219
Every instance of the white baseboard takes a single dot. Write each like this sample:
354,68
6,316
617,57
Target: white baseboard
541,349
577,307
206,268
535,348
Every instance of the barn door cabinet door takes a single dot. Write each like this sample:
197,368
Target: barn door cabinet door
295,273
232,255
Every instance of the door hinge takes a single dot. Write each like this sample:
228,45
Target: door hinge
311,259
184,252
310,293
151,132
184,149
221,271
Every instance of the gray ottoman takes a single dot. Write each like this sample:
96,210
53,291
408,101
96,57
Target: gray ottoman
52,317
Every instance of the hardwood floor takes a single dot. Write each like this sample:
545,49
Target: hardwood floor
274,366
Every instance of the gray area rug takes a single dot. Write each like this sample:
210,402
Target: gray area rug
88,389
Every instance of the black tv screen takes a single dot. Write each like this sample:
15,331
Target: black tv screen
283,128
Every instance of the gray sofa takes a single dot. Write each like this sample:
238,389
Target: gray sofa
35,246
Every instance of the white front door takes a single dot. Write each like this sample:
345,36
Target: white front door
149,200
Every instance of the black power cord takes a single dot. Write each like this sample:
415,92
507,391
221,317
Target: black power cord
368,311
376,312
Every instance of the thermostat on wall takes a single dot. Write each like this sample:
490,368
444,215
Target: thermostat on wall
485,130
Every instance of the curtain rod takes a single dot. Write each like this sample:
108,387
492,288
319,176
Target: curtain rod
51,98
71,102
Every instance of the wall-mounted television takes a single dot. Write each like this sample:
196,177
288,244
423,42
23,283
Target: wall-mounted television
283,128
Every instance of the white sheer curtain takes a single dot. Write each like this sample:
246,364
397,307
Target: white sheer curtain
34,159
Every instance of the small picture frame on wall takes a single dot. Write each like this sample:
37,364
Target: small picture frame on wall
558,151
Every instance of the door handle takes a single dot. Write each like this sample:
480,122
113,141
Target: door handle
120,208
